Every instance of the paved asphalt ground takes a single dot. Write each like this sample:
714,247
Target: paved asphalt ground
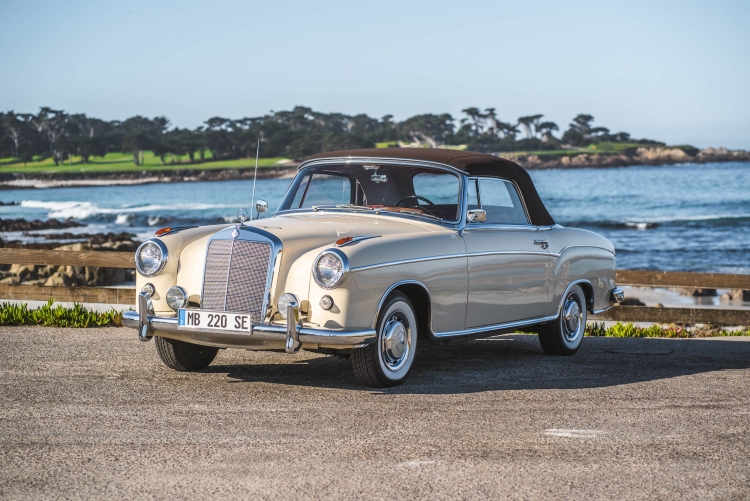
93,414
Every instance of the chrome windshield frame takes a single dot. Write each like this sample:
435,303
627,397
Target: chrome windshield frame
462,179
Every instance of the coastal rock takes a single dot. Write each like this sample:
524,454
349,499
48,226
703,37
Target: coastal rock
632,301
669,154
12,280
23,271
59,280
699,292
35,225
738,294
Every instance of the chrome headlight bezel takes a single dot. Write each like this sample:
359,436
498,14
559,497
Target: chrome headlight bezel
344,267
164,257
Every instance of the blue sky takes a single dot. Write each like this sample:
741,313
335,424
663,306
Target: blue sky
674,71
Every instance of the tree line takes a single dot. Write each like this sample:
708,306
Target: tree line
293,134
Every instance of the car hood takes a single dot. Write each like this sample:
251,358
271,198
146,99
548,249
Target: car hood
315,229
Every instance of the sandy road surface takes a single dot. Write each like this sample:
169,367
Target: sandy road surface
93,414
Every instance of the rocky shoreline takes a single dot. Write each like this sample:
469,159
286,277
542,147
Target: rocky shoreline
14,180
67,276
636,156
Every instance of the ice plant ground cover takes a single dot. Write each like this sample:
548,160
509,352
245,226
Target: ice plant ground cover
57,316
52,315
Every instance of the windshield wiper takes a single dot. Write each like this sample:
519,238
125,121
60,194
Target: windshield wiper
416,214
353,206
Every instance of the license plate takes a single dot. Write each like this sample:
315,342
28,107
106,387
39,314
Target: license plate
219,320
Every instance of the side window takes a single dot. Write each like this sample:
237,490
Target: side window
323,189
473,200
500,200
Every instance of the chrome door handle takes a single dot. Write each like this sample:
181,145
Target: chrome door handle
543,243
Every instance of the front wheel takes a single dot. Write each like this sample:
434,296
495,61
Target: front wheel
182,356
387,361
563,335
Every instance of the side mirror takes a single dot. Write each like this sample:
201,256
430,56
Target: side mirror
476,216
261,206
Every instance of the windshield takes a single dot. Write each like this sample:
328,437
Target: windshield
419,191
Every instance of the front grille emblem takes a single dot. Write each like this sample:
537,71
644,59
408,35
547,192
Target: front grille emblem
242,216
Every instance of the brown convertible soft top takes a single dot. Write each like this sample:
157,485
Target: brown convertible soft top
475,164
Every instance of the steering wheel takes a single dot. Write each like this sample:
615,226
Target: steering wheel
416,198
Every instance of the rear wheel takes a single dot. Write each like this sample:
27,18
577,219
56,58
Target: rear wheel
387,361
182,356
563,335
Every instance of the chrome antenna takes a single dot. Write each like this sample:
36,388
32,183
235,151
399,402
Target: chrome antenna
255,176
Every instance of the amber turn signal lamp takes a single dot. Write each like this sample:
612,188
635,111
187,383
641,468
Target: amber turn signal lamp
342,241
162,231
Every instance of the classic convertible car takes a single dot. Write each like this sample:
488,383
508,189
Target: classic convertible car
370,253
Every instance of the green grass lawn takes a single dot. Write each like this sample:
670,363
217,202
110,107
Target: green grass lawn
121,162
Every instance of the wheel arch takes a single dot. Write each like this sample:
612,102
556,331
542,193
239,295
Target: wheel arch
588,292
419,296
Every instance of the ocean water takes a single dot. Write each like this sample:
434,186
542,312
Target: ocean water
691,217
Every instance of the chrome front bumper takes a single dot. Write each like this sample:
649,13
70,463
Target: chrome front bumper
292,336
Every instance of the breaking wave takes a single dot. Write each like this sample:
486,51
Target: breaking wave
713,220
84,210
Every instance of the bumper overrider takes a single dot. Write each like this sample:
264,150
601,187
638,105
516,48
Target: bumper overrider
293,335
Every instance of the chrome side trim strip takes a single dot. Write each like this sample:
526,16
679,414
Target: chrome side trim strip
499,253
406,261
496,327
558,254
447,256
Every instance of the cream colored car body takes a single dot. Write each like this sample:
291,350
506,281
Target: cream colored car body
466,281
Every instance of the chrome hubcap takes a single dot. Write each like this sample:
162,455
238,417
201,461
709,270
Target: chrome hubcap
395,344
572,318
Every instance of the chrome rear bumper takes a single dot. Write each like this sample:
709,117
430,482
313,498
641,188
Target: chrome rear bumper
291,335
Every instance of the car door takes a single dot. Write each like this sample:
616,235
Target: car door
507,260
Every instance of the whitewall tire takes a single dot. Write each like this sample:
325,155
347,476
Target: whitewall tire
387,361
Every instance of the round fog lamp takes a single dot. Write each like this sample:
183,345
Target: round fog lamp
177,297
326,302
284,301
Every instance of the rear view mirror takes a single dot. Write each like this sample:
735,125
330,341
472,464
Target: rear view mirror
476,216
261,206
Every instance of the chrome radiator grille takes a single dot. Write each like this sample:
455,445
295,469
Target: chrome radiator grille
235,276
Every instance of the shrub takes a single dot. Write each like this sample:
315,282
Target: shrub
57,316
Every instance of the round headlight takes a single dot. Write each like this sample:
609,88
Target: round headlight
177,297
284,301
330,268
150,257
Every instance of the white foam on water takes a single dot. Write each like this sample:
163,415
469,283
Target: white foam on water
565,433
640,226
83,210
122,219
